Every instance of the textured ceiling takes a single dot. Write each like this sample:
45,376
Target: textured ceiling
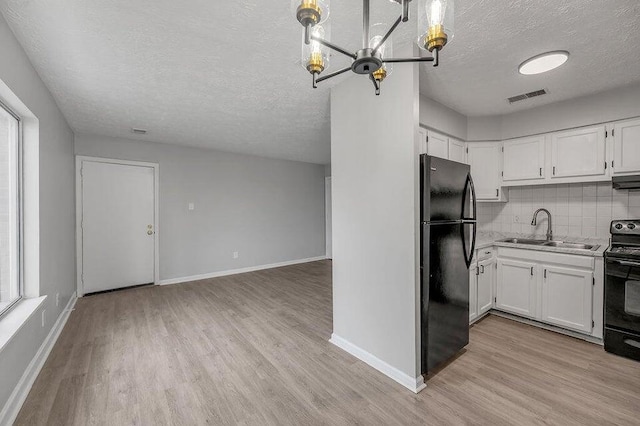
478,70
227,74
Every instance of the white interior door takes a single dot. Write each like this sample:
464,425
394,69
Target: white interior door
118,225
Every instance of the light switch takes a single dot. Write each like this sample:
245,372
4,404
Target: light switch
192,206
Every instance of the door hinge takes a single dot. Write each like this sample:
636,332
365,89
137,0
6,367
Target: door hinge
612,164
427,138
593,324
502,149
613,132
495,300
545,274
502,173
606,134
467,150
605,165
594,280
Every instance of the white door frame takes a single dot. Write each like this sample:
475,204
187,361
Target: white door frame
328,222
156,184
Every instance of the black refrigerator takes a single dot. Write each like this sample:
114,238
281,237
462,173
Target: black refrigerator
448,233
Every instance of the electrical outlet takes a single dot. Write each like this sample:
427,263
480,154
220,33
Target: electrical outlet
44,311
235,254
516,219
57,299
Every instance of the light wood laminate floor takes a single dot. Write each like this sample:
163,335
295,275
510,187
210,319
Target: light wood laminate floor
253,349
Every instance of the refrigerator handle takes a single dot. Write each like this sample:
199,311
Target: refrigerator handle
469,185
468,258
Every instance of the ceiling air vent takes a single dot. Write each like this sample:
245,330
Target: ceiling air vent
138,131
527,95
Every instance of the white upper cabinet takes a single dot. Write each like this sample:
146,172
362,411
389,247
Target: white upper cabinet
422,140
437,144
524,159
626,147
567,297
457,151
485,159
580,152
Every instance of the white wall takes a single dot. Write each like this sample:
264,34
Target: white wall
374,174
617,104
442,118
268,210
578,210
56,266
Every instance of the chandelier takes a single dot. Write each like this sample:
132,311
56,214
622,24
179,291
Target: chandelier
375,58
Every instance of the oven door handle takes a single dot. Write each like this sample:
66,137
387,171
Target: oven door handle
625,263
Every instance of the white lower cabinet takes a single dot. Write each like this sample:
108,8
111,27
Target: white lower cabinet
516,287
481,283
554,288
567,297
486,279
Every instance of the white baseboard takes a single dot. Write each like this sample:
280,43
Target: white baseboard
238,271
19,395
414,384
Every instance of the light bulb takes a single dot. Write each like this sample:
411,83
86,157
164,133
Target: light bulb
435,24
315,56
385,50
435,14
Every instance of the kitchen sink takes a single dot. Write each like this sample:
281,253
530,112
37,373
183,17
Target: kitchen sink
579,246
545,243
523,241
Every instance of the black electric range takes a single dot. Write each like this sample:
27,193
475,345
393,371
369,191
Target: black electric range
622,290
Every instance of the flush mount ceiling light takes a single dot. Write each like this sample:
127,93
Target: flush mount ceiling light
435,29
543,63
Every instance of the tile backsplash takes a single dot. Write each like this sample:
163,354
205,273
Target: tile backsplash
580,210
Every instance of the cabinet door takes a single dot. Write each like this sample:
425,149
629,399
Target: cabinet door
626,147
524,159
516,287
457,151
422,141
485,285
473,292
485,159
437,145
567,297
579,152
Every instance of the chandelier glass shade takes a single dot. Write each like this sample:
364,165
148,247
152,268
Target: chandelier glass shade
375,57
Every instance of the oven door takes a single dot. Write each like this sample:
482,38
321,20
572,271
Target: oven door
622,295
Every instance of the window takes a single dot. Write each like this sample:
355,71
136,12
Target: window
10,230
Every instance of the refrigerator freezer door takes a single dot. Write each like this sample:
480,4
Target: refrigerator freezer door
444,294
445,195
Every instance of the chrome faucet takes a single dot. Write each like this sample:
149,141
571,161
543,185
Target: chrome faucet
535,221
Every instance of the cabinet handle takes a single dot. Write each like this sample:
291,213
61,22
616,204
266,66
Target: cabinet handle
482,266
554,170
477,271
497,192
540,171
532,271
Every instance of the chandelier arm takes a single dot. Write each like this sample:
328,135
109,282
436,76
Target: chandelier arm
387,35
398,60
333,74
365,23
333,46
376,84
405,10
307,34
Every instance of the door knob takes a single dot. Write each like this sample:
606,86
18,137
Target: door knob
149,232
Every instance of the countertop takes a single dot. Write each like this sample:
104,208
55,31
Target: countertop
490,239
